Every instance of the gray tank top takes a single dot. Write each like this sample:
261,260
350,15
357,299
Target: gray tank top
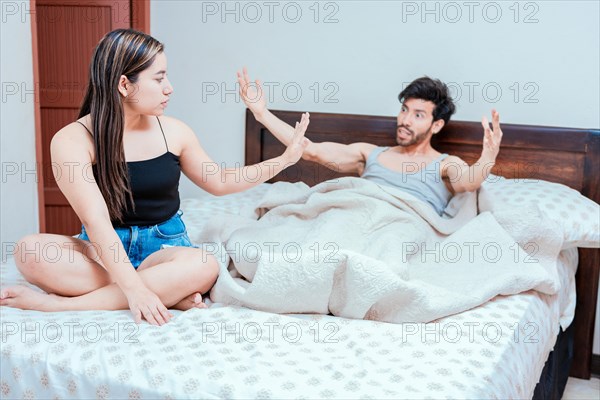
425,184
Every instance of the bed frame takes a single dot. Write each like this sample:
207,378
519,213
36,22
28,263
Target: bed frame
564,155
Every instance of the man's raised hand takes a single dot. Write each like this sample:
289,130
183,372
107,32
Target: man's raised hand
251,93
491,137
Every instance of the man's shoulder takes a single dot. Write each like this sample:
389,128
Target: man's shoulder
364,148
451,159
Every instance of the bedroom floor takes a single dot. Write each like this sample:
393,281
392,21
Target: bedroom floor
580,389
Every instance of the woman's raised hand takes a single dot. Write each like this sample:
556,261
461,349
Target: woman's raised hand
251,93
296,147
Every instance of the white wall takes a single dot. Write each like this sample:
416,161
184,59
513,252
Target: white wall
18,197
596,348
373,48
547,70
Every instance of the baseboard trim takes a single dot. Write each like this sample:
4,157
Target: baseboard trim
595,364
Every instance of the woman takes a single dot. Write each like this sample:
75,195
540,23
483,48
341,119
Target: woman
128,201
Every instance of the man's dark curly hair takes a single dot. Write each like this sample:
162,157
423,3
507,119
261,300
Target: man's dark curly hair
432,90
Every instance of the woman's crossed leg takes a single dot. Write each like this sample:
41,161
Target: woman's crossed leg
71,272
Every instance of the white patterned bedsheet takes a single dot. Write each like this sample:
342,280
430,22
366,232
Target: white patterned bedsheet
496,350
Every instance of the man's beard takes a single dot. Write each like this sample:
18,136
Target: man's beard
413,138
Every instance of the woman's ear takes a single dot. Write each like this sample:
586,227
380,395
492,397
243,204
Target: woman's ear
124,85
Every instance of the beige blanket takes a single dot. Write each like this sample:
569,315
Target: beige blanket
355,249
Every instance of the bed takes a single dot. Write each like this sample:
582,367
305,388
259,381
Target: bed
501,349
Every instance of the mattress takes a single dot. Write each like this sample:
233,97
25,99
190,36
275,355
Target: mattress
497,350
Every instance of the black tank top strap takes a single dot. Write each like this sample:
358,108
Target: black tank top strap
159,124
163,133
86,128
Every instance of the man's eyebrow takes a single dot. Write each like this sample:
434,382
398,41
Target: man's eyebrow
415,109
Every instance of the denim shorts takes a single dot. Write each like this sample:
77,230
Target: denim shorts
141,241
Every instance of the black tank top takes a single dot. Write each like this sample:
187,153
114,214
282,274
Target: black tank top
155,188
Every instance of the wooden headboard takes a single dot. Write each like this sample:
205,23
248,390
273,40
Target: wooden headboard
564,155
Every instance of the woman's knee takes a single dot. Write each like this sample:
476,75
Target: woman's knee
28,254
36,252
211,265
204,268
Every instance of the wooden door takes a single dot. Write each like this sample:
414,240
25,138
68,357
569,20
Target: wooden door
65,33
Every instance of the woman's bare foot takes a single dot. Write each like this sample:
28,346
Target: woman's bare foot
194,300
26,298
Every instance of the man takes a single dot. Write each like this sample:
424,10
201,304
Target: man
413,165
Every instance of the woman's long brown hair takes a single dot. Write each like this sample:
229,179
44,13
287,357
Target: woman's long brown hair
121,52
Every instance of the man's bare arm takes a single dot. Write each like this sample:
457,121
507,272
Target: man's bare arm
465,178
339,157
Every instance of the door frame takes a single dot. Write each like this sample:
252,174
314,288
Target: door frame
140,20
